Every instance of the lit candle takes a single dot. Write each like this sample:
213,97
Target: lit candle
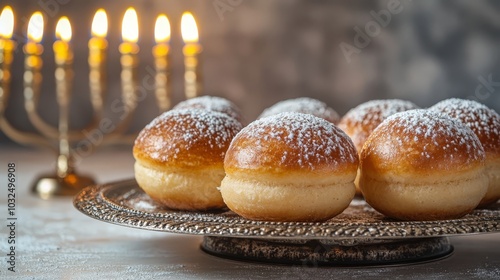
129,50
62,50
97,59
32,61
191,50
64,75
161,53
7,47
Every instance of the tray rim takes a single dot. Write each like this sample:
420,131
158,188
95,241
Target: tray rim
93,202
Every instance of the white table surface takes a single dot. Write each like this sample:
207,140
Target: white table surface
55,241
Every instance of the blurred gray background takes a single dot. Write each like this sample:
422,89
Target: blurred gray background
258,52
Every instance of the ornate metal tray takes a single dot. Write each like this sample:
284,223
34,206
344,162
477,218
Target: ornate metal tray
360,235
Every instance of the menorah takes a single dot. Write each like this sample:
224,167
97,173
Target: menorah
60,139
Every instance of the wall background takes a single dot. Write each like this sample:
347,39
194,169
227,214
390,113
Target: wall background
258,52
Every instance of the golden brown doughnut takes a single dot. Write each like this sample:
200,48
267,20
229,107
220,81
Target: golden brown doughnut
359,122
289,167
423,165
485,122
303,105
212,103
179,158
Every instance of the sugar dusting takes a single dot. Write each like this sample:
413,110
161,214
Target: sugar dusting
304,105
191,127
311,139
431,128
485,122
376,111
212,103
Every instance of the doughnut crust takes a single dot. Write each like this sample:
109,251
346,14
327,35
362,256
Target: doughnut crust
485,123
422,165
303,105
359,122
179,158
289,167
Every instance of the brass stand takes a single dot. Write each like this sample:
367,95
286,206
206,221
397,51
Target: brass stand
49,185
60,139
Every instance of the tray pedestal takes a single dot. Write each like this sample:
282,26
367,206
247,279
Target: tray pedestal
328,252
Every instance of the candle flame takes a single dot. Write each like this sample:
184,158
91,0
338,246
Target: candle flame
63,29
130,26
35,27
189,29
6,22
162,29
100,24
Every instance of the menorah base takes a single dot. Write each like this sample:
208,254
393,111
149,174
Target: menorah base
47,186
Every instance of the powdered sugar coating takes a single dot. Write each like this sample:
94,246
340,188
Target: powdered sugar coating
376,111
485,122
291,141
424,137
212,103
194,134
303,105
360,121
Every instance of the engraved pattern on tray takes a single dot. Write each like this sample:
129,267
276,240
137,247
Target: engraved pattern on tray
124,203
